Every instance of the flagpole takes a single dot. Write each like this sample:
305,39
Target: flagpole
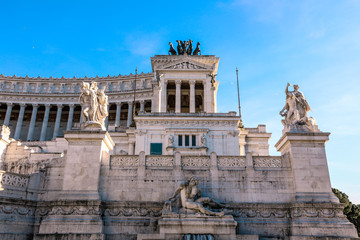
237,78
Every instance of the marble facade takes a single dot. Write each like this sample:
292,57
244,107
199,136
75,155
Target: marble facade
61,181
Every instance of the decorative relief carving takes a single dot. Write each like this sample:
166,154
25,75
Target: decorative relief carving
127,212
15,180
185,65
159,161
124,161
75,210
16,210
231,161
267,162
317,212
260,213
196,161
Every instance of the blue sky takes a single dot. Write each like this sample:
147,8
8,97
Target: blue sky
315,44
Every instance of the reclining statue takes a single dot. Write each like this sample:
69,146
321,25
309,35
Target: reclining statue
191,198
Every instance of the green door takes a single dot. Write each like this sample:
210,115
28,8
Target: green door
155,148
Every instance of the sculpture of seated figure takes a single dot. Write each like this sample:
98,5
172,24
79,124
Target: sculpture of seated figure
191,198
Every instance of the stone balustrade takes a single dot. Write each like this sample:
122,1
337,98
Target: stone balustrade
13,180
63,85
267,162
195,162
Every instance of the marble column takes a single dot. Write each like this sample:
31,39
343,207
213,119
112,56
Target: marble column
20,121
142,105
192,95
107,118
45,122
32,122
8,114
163,106
118,114
70,117
130,113
57,121
81,114
178,96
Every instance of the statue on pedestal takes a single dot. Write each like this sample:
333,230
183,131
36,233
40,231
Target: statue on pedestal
295,111
191,199
94,105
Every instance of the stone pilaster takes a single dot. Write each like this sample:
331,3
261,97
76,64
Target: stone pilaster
45,122
163,102
178,96
192,95
20,121
57,121
32,122
155,99
70,117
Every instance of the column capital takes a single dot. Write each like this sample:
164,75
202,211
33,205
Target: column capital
59,105
141,101
130,103
22,105
72,105
119,104
165,81
9,104
178,82
47,105
35,105
192,82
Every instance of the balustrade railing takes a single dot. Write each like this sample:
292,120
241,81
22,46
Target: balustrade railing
13,179
194,162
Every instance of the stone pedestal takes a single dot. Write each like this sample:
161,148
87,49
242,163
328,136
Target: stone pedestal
222,228
78,209
86,151
306,151
315,212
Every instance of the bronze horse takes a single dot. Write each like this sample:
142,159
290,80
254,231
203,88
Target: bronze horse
179,48
172,50
190,48
197,49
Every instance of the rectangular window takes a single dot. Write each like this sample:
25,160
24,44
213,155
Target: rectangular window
193,138
180,140
187,140
155,148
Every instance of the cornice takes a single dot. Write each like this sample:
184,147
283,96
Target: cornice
75,79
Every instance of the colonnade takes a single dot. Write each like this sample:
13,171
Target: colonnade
163,106
69,123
